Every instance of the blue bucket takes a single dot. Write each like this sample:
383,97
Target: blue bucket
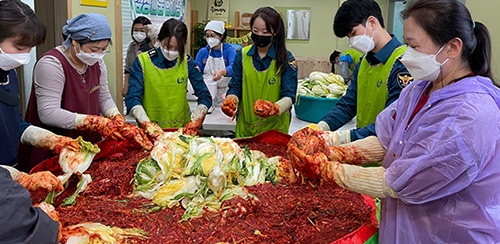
312,109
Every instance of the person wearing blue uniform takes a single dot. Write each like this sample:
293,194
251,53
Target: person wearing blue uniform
215,61
264,83
377,79
158,85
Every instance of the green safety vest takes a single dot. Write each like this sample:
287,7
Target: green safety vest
355,55
164,98
372,88
256,85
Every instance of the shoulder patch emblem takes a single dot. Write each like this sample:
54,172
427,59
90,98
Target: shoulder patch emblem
292,63
404,78
152,52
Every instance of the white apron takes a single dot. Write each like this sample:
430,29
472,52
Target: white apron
218,88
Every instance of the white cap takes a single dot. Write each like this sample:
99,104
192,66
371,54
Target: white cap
215,25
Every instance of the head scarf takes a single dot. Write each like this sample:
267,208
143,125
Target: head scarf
91,26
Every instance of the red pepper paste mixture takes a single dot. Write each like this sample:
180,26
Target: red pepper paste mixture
299,213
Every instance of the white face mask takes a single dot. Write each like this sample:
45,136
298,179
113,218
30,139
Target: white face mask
139,36
362,43
89,58
10,61
169,55
422,66
212,42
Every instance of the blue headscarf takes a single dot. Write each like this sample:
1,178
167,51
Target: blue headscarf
91,26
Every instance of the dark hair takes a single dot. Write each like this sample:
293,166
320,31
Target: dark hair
140,20
17,20
274,24
444,20
334,55
175,28
354,12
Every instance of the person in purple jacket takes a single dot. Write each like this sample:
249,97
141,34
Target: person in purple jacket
439,142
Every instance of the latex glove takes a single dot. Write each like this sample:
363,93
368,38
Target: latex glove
108,128
324,126
45,139
41,180
114,129
152,129
139,114
265,109
230,105
197,118
338,137
52,213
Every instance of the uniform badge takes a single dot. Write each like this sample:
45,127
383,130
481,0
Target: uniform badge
404,79
293,64
152,52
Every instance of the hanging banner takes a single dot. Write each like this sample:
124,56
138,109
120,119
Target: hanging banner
218,10
158,10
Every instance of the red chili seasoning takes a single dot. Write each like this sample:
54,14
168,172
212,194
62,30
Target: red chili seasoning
279,214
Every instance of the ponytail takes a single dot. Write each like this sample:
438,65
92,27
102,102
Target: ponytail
480,57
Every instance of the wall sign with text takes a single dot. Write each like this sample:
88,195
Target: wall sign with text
218,10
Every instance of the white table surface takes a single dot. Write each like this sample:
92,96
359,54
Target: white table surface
218,121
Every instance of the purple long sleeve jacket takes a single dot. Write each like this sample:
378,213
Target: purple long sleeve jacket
444,165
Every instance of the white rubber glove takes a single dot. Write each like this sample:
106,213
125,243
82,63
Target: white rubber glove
112,112
324,126
285,104
338,137
199,112
33,182
150,128
139,114
45,139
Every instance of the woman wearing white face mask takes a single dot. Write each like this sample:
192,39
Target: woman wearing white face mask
158,85
216,60
70,89
20,31
141,43
439,142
